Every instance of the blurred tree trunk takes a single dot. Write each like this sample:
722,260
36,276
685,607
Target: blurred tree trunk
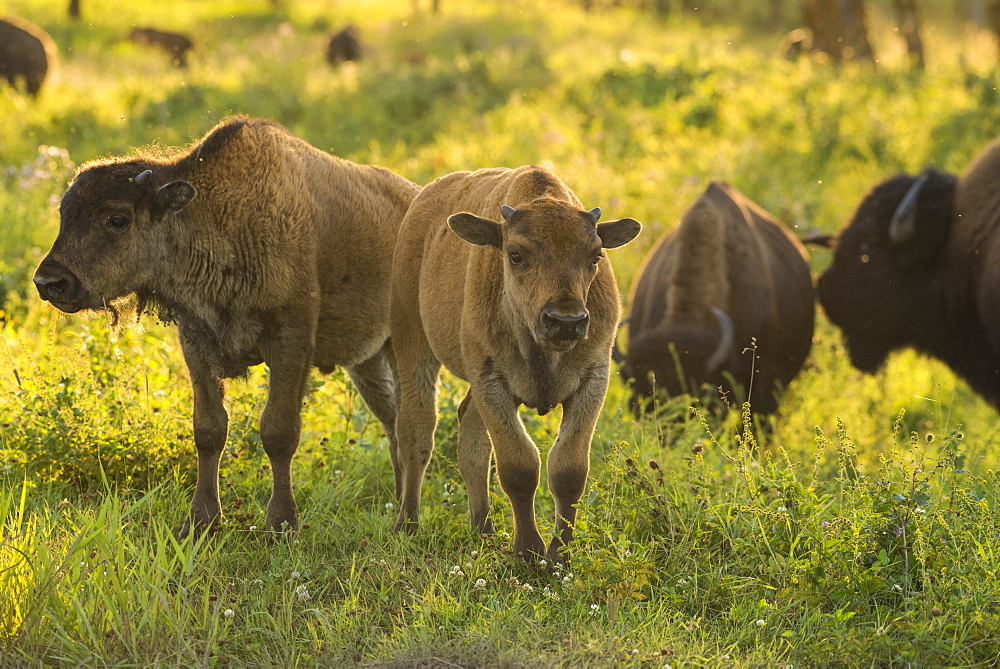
977,12
662,7
838,28
74,9
777,12
993,17
908,20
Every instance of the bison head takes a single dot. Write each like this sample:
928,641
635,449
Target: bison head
109,235
884,264
552,252
678,359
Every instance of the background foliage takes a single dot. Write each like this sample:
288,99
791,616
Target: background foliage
859,526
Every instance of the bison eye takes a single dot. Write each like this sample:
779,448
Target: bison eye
515,258
118,222
598,257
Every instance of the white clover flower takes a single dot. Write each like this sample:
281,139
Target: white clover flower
594,609
229,613
567,579
782,509
389,506
527,587
475,554
760,622
480,584
253,527
302,593
295,575
542,563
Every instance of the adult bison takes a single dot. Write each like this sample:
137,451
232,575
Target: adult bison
724,297
525,310
26,52
919,266
262,249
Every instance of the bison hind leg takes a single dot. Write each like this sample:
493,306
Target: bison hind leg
374,380
475,452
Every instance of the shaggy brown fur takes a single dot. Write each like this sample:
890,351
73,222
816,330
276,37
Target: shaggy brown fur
344,45
262,249
729,254
924,275
524,310
26,52
175,44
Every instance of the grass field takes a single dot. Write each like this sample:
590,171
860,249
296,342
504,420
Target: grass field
860,527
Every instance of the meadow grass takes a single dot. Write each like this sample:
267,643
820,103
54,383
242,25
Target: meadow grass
856,527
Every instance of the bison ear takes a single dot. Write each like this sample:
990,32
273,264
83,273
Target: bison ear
618,233
476,230
173,197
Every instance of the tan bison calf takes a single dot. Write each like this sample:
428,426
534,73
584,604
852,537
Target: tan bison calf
262,249
525,310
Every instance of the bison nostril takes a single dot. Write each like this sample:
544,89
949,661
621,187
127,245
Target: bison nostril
50,288
566,327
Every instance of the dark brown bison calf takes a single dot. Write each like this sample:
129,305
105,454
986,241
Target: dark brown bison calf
26,52
262,249
524,309
175,44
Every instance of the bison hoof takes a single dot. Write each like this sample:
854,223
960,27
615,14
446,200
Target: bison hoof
406,525
196,528
530,550
557,553
483,528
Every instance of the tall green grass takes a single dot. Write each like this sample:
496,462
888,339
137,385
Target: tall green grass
858,526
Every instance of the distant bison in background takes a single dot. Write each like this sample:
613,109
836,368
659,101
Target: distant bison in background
262,249
176,45
26,52
728,278
344,45
919,266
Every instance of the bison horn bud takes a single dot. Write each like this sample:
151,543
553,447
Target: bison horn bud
594,215
507,212
902,226
725,341
142,177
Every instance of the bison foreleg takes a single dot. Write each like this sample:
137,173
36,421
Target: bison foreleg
569,459
518,464
374,380
475,451
211,424
280,426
